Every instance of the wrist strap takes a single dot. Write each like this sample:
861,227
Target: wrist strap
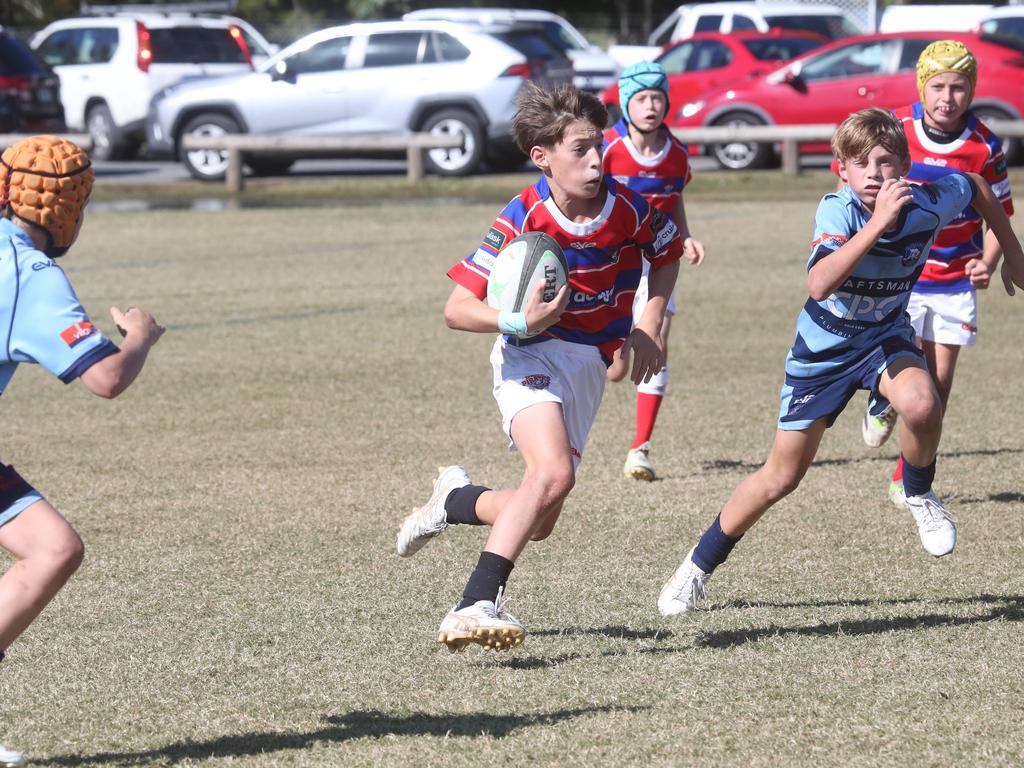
513,323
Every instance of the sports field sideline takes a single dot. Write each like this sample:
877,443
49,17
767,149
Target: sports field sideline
241,602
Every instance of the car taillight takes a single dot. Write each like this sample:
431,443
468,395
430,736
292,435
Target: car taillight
525,70
145,55
14,83
239,38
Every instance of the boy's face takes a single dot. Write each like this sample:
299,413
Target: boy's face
946,99
647,109
574,163
865,176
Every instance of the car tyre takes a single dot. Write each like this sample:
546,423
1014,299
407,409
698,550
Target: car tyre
108,141
741,156
207,164
456,161
269,166
1011,147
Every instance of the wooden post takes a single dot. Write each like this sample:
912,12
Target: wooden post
234,176
790,157
414,161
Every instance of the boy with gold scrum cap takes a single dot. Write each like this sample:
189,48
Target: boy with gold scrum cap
45,183
945,137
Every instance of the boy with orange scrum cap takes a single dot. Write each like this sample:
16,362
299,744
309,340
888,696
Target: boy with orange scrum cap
45,182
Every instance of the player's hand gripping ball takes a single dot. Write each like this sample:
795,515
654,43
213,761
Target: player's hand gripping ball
531,258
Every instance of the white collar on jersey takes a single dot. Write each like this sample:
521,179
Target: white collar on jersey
648,161
580,228
936,147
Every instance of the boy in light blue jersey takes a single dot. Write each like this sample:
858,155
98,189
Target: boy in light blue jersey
870,243
45,183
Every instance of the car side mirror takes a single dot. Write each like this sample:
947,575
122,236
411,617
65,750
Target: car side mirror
280,71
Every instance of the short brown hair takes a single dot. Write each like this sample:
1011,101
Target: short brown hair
869,128
543,116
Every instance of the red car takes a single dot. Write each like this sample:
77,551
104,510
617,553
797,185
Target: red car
850,74
710,58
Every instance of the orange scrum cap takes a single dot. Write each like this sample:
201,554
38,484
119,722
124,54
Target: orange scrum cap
46,181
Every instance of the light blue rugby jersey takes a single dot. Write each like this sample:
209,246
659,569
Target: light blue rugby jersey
833,334
41,319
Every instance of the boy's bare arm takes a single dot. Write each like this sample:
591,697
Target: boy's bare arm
113,374
646,340
830,272
991,210
465,311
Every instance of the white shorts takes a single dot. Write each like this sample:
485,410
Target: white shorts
945,318
659,382
550,371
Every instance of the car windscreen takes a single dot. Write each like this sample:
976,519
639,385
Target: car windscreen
195,45
832,27
16,58
782,48
529,43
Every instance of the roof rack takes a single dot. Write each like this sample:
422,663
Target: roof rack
199,6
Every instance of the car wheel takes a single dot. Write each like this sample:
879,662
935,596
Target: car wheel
269,166
455,161
108,143
207,164
1011,147
740,156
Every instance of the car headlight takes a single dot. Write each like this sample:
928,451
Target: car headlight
691,109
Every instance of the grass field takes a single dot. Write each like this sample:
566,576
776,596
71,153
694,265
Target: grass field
241,602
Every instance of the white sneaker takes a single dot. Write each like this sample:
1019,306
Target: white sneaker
935,525
876,429
484,622
686,588
428,521
896,494
9,758
638,465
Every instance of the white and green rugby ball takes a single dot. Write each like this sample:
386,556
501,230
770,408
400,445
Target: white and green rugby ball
531,258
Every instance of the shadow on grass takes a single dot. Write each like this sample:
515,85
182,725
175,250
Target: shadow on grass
1011,609
613,631
339,728
728,465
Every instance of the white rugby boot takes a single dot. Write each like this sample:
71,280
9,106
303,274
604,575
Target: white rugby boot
877,429
684,591
638,463
9,758
935,524
428,521
485,623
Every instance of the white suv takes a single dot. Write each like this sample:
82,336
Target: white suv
111,66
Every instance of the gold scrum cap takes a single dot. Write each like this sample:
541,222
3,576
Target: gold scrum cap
946,56
47,181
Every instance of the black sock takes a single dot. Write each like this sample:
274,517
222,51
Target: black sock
714,547
460,506
2,654
917,481
488,577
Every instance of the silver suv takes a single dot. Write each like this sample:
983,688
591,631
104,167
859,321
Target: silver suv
439,77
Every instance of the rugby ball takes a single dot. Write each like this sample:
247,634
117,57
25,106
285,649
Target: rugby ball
531,258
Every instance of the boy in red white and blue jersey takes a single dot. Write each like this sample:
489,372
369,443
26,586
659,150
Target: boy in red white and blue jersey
549,363
642,153
945,137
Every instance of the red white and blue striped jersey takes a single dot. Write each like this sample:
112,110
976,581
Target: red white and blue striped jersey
659,178
605,257
977,150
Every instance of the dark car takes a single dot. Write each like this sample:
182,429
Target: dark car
829,83
29,92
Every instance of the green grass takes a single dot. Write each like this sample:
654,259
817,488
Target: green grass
241,602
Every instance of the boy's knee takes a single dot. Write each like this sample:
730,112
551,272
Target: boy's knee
922,412
781,483
66,555
552,484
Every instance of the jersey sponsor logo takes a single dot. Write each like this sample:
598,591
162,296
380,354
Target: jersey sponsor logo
536,381
939,161
580,245
663,230
495,238
830,241
647,174
968,328
911,255
1000,166
75,333
800,402
484,259
605,296
39,266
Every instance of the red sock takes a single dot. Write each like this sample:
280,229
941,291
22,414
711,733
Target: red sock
646,414
897,474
